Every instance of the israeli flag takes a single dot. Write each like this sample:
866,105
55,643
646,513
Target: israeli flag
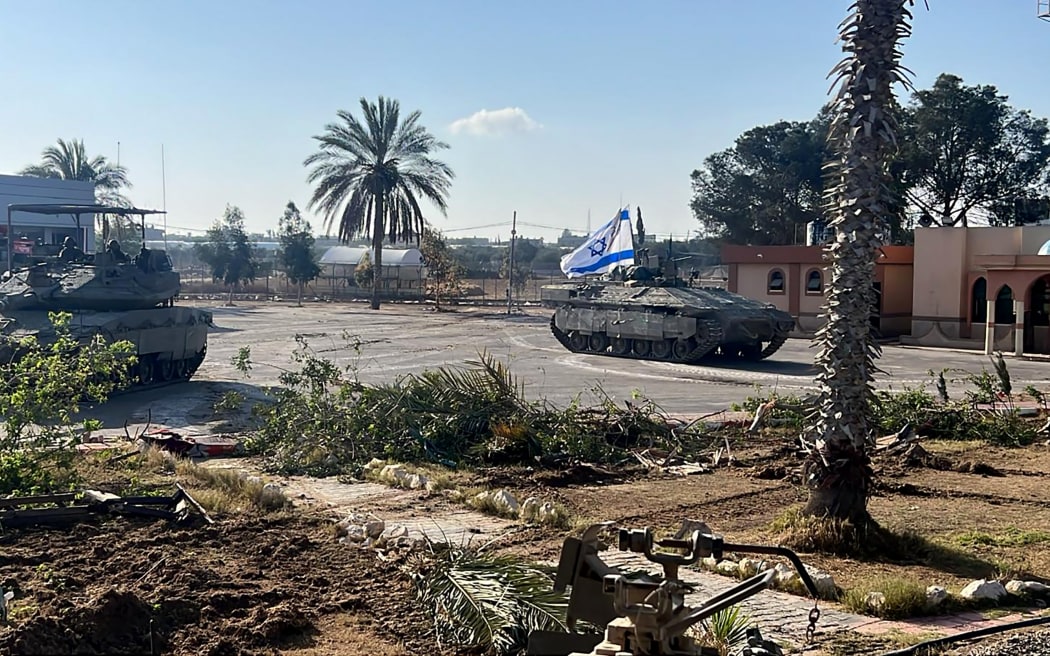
610,245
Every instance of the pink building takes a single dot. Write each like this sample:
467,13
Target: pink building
792,278
965,277
974,288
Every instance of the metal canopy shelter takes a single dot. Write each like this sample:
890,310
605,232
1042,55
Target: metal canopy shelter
75,211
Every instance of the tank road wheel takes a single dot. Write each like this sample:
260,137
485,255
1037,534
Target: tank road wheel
641,347
165,370
180,369
598,342
577,341
682,348
662,349
620,346
146,370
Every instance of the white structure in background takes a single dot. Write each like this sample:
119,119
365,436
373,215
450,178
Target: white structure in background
817,233
44,232
402,275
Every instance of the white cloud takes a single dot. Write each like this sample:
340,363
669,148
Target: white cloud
495,122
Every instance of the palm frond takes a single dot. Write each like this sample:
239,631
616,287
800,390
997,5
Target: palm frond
482,600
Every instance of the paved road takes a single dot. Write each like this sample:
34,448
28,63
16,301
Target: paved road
402,338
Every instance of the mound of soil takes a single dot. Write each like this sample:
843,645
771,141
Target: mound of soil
242,586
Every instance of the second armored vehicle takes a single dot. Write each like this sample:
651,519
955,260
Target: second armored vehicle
110,295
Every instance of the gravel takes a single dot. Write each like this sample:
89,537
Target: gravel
1029,643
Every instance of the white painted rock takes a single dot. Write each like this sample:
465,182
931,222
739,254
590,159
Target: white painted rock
395,532
505,501
824,582
983,589
393,473
875,600
547,511
374,463
530,509
1027,588
935,596
728,567
748,567
786,577
709,562
415,481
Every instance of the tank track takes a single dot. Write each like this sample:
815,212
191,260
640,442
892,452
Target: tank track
713,337
774,344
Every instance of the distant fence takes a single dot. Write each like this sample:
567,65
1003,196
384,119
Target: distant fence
486,290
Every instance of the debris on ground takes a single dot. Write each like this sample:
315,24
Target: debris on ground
665,462
371,532
72,507
191,446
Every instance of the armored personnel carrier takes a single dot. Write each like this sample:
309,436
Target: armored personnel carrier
108,294
648,313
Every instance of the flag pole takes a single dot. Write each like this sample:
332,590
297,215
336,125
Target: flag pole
510,272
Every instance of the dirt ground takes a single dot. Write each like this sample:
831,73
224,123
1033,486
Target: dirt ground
248,585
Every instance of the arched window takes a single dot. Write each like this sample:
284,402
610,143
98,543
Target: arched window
979,301
815,282
1004,305
775,282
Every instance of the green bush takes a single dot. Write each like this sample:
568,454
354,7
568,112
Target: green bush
324,421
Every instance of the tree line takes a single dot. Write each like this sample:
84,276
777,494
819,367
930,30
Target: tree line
965,156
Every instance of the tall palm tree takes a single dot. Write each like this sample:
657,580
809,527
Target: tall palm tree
863,139
68,160
371,175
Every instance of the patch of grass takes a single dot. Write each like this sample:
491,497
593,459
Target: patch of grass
887,597
819,535
19,612
875,543
1009,537
223,491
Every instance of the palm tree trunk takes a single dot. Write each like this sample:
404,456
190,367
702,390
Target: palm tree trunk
838,470
299,301
377,247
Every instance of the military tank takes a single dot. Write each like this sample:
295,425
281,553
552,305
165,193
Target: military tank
648,313
108,294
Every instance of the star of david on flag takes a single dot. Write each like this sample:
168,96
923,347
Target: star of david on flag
609,246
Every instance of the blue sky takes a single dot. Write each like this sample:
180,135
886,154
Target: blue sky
603,100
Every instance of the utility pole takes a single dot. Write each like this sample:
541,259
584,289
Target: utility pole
510,268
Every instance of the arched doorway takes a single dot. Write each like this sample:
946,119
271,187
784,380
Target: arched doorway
979,301
1037,317
1004,306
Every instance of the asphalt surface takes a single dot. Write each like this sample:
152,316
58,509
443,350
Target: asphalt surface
401,339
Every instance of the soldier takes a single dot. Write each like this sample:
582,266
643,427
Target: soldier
70,251
113,248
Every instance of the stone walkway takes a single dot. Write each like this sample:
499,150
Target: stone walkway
781,616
